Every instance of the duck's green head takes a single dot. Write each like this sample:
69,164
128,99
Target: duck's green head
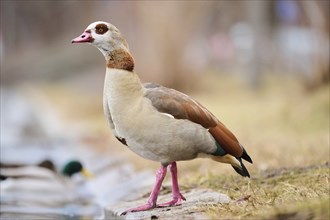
74,167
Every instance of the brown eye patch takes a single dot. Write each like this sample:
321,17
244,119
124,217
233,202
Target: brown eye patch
101,28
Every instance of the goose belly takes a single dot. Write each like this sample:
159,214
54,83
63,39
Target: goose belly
158,137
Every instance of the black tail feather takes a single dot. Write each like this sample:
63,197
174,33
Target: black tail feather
246,157
242,170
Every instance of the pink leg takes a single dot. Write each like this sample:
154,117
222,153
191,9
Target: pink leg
177,196
160,175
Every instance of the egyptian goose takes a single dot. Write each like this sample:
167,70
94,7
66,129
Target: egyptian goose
155,122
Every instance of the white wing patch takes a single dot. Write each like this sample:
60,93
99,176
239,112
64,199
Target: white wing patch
168,115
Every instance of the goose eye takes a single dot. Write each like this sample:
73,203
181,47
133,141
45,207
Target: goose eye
101,28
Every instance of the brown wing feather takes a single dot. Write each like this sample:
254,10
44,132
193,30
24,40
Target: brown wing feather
227,140
181,106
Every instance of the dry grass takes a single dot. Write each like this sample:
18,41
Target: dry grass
270,194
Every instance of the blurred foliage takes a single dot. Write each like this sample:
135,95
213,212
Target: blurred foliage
173,42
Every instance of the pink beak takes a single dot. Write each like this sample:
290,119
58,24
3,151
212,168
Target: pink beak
85,37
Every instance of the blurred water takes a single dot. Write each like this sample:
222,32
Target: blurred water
25,140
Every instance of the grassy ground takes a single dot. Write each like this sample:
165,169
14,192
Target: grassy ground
284,128
300,193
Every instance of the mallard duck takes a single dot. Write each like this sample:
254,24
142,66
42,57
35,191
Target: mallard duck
40,189
42,177
155,122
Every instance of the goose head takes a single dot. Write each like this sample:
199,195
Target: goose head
104,36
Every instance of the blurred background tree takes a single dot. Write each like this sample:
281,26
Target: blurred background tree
173,43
